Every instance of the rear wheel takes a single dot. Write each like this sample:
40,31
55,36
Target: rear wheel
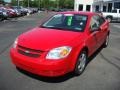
106,41
81,63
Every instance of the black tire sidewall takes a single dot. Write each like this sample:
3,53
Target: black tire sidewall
1,19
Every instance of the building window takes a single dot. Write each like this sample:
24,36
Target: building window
97,8
117,5
88,7
81,7
109,7
104,8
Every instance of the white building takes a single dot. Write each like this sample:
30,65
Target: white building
96,5
83,5
106,5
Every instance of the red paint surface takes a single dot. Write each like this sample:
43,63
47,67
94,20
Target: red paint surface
46,39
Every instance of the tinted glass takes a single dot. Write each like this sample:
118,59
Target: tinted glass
114,11
99,19
73,22
94,23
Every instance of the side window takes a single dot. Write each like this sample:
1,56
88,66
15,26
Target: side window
114,11
100,19
119,11
94,24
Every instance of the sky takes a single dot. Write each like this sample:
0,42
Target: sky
7,0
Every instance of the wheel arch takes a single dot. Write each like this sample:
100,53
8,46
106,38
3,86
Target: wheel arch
77,56
109,16
85,48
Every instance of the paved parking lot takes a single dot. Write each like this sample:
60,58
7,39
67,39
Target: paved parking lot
102,73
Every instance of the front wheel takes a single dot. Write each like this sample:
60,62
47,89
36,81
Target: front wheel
81,63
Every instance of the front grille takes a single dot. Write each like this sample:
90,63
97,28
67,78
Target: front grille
29,52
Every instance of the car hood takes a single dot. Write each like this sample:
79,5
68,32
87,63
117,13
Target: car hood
45,39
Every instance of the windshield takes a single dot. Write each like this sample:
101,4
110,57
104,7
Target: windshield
73,22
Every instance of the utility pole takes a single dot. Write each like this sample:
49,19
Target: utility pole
57,4
28,3
18,3
39,4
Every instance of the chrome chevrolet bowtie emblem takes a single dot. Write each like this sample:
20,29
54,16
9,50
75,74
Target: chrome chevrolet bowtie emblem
27,51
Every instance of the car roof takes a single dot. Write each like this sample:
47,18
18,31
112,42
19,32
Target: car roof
79,12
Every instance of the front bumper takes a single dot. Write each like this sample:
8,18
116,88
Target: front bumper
40,66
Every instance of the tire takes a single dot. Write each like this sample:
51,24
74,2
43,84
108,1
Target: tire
19,69
1,19
81,63
105,44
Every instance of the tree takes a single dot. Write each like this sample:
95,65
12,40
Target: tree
2,2
68,3
65,3
46,3
14,2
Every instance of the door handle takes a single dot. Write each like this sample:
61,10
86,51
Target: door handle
94,34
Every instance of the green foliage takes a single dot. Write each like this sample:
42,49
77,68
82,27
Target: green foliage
46,3
14,2
2,2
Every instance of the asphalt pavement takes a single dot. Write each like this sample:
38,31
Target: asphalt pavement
102,72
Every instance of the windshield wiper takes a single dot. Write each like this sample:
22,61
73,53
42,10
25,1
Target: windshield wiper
57,28
52,27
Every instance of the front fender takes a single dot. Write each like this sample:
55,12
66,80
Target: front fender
75,53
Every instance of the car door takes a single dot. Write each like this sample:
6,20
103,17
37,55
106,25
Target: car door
103,28
92,40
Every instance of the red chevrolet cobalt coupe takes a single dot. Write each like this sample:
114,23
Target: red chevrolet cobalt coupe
60,45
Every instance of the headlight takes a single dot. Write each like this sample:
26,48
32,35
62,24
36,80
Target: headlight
15,43
59,53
